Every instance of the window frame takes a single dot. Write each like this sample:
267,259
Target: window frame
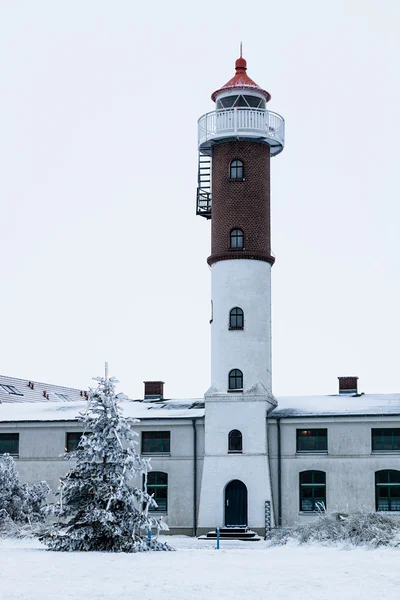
235,377
62,397
73,433
236,317
236,237
14,439
236,170
243,100
374,437
313,487
164,443
155,487
390,486
232,436
11,389
318,436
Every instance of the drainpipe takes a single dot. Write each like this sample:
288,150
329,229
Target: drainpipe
278,424
194,478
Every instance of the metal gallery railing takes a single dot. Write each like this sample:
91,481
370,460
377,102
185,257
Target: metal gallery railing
247,122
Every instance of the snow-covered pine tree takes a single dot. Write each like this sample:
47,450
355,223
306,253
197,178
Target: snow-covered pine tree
20,504
99,507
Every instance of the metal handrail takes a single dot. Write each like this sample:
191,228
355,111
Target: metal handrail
254,122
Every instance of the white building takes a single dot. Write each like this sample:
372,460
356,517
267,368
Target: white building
239,454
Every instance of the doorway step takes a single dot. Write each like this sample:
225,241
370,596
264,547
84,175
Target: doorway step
232,533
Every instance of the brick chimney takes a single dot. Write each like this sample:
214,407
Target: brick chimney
153,390
348,385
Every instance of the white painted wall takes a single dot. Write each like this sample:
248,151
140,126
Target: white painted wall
224,412
247,284
42,446
349,464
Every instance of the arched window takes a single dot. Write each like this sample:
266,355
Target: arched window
157,486
235,379
236,318
387,490
237,239
312,491
236,170
235,443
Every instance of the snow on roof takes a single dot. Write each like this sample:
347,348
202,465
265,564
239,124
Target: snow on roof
337,405
69,411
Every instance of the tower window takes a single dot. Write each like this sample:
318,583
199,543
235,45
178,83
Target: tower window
237,239
235,441
312,491
387,490
235,380
236,318
236,170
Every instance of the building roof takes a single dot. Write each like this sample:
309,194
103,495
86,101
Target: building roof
13,390
64,404
69,411
26,400
337,405
241,81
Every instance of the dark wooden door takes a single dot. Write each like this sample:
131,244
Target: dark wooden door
235,504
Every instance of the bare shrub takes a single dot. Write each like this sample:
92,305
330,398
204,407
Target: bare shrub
358,528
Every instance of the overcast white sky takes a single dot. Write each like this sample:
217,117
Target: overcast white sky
102,256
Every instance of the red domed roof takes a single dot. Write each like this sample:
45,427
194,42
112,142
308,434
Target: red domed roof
241,80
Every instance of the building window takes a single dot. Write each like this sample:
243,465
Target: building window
9,443
387,490
236,318
72,440
157,486
11,389
235,441
236,170
235,379
311,440
237,239
156,442
386,440
63,397
312,491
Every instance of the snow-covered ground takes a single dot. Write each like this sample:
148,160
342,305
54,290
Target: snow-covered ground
239,570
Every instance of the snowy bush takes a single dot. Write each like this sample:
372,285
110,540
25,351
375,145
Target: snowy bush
99,508
20,503
358,528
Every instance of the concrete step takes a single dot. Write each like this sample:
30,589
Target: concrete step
232,533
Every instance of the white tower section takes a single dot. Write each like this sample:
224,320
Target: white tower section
245,284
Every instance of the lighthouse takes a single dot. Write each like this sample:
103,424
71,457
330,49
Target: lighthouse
236,142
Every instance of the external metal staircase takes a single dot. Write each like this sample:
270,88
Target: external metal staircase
203,205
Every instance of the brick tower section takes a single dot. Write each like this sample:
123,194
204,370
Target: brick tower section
241,204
